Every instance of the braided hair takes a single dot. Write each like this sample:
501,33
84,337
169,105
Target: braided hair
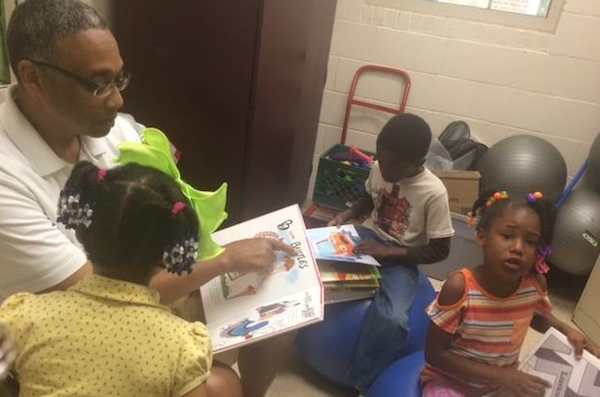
127,217
492,203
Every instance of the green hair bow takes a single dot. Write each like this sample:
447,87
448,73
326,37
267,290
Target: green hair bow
155,152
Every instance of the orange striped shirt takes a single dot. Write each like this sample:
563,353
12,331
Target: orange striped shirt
487,328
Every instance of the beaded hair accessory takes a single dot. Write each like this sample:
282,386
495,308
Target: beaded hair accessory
542,252
180,256
497,196
72,212
535,196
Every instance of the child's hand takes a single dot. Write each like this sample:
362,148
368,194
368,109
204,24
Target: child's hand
520,383
373,248
580,342
7,354
340,218
253,255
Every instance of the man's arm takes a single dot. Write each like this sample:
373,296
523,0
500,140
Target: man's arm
35,255
72,279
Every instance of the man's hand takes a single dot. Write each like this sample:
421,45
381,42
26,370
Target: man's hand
7,353
253,255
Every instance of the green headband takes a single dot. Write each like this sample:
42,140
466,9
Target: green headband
155,152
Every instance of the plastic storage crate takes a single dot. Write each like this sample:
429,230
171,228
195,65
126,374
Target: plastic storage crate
338,185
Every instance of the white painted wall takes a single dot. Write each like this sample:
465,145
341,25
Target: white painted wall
503,81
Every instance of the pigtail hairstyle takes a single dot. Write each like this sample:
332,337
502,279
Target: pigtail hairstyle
132,223
492,203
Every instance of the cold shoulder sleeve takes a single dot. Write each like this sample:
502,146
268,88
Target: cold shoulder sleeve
449,316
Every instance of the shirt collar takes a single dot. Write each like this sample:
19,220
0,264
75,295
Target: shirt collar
118,290
41,157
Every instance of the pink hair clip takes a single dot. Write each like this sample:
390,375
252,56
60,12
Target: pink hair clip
101,175
177,207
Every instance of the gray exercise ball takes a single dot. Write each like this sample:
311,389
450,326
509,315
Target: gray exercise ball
522,164
577,233
593,171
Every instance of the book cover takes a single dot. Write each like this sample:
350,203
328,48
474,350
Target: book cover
338,244
244,307
346,294
334,271
553,359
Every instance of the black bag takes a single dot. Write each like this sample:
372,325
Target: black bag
464,151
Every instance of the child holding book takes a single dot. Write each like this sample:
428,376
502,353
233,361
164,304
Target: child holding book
482,315
108,334
409,224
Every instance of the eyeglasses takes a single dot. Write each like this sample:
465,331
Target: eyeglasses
96,89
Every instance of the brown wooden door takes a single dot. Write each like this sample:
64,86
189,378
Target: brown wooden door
237,87
291,72
192,64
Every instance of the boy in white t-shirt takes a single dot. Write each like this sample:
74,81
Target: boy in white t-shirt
409,224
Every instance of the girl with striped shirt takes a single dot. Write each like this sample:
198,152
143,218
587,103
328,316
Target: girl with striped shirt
482,314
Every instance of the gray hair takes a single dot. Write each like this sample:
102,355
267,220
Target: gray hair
36,26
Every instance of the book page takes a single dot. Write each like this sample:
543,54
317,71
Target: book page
553,359
333,271
242,307
338,244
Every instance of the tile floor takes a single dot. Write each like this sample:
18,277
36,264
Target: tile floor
298,380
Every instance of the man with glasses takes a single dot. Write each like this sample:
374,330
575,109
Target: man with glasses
63,109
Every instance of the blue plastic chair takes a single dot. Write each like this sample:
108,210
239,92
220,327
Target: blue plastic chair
328,347
403,378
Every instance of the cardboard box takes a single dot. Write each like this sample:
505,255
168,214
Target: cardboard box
587,312
463,188
464,251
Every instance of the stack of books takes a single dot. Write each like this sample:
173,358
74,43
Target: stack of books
348,281
345,274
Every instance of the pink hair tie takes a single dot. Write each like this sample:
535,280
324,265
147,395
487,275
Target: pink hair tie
177,207
101,175
542,252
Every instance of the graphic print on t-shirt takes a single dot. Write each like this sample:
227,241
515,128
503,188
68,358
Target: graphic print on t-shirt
393,212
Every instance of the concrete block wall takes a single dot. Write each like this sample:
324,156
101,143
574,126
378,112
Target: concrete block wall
503,81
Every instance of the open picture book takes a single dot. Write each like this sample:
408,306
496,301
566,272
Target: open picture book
338,244
553,359
244,307
346,274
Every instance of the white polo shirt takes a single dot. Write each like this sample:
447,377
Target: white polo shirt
35,252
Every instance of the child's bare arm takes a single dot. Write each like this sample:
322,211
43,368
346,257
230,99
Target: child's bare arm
200,391
541,323
438,353
362,207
